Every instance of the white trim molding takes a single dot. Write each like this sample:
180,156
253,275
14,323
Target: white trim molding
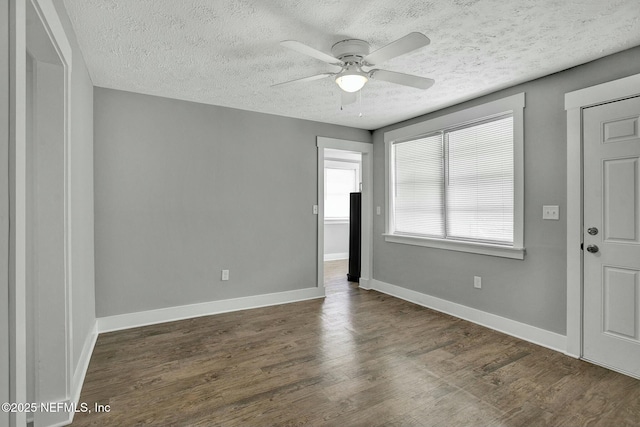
50,21
17,179
80,373
171,314
47,12
542,337
574,103
331,221
365,284
606,92
458,245
83,363
344,144
467,115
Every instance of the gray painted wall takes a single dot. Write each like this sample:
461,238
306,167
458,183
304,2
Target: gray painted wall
184,190
4,210
532,291
336,238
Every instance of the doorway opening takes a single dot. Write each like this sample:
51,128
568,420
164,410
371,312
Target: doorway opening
344,175
342,183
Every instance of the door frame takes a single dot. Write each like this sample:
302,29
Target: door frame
366,242
5,330
574,103
54,29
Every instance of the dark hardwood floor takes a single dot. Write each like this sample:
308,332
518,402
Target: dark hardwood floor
356,358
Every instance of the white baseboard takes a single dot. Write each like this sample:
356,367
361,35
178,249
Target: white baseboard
62,418
83,363
81,370
364,283
337,256
511,327
170,314
55,418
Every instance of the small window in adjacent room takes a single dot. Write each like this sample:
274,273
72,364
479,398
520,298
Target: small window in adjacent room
340,179
456,182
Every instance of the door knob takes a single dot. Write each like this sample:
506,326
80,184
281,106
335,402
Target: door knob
592,231
592,249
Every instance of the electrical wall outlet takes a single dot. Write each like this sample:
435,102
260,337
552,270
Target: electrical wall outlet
315,209
225,274
378,210
477,282
551,212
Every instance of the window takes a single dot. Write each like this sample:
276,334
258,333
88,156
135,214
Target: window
455,182
340,179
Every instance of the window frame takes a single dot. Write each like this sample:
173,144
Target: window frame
514,105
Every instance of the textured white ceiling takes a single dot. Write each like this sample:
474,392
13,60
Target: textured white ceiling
227,52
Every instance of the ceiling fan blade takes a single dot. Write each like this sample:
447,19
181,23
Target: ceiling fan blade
348,97
309,51
402,79
406,44
305,79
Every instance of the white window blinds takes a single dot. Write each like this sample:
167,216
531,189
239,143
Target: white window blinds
479,188
418,186
457,184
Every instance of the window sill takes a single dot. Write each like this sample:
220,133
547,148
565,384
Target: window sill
336,221
450,245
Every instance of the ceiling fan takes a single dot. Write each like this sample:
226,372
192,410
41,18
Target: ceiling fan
353,56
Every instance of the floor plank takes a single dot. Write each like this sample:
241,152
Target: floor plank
356,358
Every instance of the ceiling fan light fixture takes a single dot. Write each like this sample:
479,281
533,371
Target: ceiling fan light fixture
351,81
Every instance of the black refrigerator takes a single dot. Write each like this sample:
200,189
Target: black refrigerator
355,207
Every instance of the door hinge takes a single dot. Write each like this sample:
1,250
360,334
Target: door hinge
582,246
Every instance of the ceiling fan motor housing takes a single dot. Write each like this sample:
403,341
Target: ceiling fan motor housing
350,50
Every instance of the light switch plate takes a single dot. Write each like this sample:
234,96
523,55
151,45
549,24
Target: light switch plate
551,212
477,282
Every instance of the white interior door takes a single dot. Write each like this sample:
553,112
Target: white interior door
611,312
